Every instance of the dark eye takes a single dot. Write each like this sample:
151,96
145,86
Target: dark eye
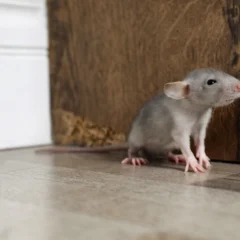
211,81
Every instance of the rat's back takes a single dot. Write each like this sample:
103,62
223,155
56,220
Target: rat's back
152,125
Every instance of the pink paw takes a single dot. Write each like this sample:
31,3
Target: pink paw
204,160
176,158
196,167
135,161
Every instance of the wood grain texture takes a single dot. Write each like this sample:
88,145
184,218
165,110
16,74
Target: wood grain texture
108,57
233,15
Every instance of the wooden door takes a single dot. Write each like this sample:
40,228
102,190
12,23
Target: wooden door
109,56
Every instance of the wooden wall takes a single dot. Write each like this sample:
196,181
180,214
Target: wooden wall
109,56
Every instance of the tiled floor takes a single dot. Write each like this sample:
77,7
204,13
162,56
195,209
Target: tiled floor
87,196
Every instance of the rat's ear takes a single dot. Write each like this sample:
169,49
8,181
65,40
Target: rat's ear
176,90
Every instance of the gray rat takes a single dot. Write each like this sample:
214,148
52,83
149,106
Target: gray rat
167,121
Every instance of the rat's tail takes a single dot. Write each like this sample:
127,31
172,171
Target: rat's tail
68,149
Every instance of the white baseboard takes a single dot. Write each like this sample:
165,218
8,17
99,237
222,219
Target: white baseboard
24,79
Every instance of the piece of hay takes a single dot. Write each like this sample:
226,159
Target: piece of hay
74,129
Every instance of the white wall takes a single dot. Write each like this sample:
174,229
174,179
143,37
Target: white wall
24,74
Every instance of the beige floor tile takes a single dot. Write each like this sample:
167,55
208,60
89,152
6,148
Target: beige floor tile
93,196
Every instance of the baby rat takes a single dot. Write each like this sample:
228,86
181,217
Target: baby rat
168,120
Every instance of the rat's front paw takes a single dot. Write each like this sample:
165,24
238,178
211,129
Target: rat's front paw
193,163
204,160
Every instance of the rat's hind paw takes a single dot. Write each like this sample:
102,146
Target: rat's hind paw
135,161
176,158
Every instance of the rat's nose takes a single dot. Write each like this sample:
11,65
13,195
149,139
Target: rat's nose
238,87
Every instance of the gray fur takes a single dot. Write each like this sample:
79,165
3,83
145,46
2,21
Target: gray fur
160,118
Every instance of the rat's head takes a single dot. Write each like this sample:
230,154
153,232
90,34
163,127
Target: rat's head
205,86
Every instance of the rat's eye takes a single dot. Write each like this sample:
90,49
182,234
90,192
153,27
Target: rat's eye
211,81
